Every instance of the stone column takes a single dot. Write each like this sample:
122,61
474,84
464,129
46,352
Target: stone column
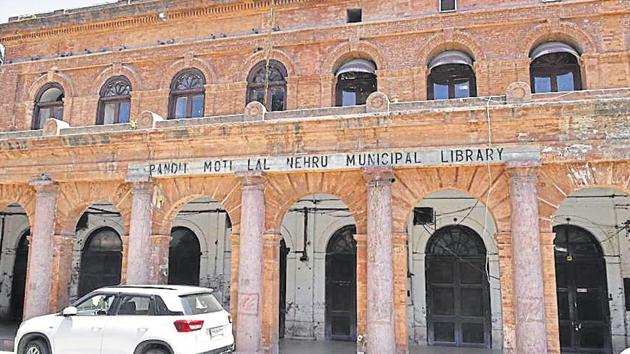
380,274
400,258
139,254
159,258
61,271
361,285
271,292
504,248
547,236
531,336
250,285
40,257
234,259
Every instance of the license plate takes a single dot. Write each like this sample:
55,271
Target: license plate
216,331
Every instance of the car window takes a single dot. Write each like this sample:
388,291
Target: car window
162,310
97,305
134,305
198,304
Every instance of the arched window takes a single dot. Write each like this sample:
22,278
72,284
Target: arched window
451,76
188,96
115,103
356,80
101,260
48,104
267,84
555,68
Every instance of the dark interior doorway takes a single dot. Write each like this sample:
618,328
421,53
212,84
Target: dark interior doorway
184,257
458,298
284,251
101,260
18,285
341,294
583,310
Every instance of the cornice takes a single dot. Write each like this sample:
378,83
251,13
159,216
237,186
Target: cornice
231,8
153,18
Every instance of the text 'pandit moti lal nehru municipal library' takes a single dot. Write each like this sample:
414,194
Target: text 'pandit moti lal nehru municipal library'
387,177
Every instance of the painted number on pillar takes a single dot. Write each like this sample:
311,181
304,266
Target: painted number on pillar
248,304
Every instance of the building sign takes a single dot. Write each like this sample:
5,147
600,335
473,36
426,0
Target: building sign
347,161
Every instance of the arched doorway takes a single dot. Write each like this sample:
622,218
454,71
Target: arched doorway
341,293
458,299
183,257
101,260
583,310
18,285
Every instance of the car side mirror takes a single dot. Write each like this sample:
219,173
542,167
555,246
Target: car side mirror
69,311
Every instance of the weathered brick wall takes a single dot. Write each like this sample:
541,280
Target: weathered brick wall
312,42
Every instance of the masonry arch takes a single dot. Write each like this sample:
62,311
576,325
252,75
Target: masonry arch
14,230
449,40
284,190
189,62
313,225
261,56
352,50
97,253
200,230
590,228
61,78
436,214
126,70
557,31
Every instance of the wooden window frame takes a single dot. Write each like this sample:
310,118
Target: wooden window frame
36,120
255,86
189,93
118,100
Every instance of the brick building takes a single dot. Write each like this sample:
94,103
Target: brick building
400,173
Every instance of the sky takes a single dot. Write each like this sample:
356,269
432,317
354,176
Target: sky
10,8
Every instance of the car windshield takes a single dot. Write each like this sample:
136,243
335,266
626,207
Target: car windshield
198,304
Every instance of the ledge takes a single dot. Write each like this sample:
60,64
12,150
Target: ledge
439,106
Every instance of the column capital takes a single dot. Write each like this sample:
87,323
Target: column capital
504,237
523,169
251,180
272,237
141,187
360,239
378,175
44,184
546,238
159,238
399,237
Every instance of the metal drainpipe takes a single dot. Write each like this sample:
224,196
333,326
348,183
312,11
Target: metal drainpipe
4,217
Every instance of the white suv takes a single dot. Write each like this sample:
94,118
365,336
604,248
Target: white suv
133,320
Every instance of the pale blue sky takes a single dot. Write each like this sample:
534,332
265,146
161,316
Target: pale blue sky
9,8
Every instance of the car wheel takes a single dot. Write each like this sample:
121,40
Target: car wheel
36,346
155,350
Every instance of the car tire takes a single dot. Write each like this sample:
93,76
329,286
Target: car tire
36,346
156,350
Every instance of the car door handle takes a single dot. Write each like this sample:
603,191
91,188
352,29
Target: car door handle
142,329
96,329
